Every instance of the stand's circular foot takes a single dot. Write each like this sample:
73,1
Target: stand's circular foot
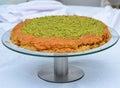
74,74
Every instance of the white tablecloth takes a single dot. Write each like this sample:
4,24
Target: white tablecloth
102,70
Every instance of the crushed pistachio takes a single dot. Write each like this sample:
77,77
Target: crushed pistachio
63,26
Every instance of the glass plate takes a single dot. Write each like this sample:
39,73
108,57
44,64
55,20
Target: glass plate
6,41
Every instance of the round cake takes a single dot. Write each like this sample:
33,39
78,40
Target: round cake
60,34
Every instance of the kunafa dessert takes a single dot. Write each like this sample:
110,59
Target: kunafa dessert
61,34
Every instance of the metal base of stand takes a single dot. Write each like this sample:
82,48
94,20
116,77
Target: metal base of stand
61,72
74,74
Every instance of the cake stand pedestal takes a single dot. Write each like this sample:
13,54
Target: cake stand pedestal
61,72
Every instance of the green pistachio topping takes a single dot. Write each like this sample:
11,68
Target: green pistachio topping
63,26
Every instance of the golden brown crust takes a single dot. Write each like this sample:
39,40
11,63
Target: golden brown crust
56,44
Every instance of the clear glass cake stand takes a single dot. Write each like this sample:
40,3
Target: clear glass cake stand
61,72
